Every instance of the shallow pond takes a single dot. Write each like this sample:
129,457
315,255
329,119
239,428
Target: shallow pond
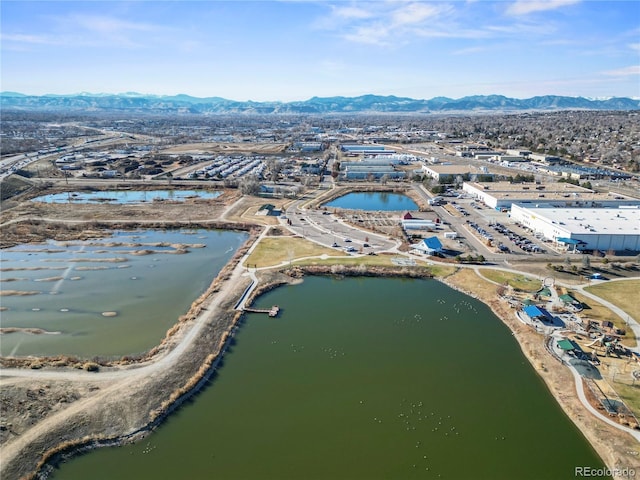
110,296
123,197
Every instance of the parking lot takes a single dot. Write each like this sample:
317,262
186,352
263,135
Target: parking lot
488,230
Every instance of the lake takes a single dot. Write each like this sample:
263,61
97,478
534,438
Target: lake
364,378
123,197
148,278
373,201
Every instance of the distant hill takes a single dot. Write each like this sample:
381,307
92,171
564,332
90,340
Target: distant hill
136,102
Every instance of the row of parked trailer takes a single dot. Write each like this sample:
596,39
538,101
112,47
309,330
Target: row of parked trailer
233,167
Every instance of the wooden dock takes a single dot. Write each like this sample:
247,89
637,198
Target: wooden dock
272,312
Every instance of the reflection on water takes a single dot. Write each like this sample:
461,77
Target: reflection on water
125,196
372,201
110,296
362,379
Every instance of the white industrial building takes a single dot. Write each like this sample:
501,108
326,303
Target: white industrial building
501,195
448,172
418,224
365,172
604,229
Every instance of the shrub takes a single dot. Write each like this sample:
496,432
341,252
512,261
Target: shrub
91,367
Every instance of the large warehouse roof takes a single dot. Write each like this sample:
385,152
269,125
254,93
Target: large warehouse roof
509,187
612,221
562,193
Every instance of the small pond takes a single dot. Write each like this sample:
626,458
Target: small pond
373,201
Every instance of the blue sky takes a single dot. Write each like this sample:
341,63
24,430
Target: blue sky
293,50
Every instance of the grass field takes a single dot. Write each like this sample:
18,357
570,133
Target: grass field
622,294
375,261
275,250
468,280
515,280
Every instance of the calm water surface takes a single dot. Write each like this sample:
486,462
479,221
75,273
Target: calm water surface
125,196
361,379
383,201
137,274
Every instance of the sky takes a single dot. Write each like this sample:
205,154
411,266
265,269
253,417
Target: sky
291,50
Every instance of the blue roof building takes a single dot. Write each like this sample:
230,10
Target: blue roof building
429,246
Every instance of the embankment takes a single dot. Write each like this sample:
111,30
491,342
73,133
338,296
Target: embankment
617,449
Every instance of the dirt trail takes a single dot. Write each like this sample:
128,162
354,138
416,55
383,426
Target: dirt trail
121,404
121,400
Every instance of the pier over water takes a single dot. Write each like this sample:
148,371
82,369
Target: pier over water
272,312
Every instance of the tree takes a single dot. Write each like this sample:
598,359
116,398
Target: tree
250,185
274,167
586,262
384,179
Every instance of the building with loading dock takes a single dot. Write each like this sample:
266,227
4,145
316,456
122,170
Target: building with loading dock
616,229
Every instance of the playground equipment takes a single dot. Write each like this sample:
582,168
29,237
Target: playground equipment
611,346
599,341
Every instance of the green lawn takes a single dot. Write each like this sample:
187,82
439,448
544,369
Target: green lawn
272,251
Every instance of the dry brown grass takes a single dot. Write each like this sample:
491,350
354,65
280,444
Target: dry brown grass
200,148
594,310
466,279
515,280
246,210
622,294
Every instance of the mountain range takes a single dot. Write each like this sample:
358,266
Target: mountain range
141,103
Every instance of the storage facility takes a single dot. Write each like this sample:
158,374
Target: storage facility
604,229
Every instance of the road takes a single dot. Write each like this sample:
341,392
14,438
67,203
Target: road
324,228
10,165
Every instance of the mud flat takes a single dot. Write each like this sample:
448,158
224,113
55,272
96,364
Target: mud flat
129,398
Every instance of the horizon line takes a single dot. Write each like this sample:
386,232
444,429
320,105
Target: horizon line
133,93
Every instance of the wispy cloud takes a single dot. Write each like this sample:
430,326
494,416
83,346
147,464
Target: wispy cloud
415,13
351,12
397,22
382,23
27,38
624,71
80,30
525,7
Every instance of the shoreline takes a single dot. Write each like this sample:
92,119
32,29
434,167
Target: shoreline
192,383
617,449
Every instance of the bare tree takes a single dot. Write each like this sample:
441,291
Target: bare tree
274,167
250,185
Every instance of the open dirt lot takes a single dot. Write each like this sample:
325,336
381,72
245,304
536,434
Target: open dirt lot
53,409
203,148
